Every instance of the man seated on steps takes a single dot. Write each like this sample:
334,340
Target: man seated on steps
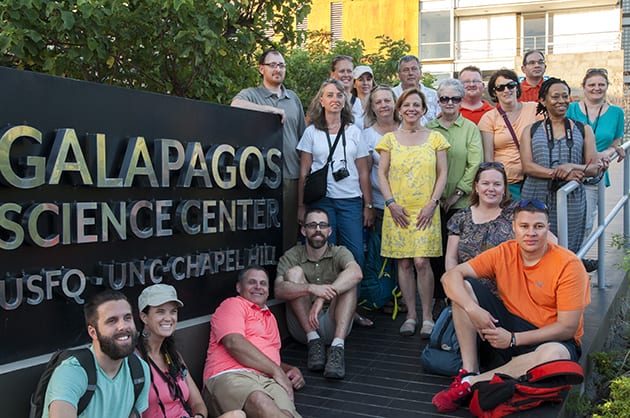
319,282
539,317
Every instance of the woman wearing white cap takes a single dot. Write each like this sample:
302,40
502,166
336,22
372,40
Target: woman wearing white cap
174,393
363,82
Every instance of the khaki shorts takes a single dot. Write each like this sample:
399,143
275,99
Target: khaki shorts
230,390
326,330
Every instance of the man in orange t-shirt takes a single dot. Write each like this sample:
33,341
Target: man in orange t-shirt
533,67
543,291
243,368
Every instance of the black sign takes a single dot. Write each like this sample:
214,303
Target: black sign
107,187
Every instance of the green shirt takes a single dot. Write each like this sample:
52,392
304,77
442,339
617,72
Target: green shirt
323,271
463,157
293,127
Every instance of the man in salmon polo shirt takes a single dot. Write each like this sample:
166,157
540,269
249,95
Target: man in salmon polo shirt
243,368
543,291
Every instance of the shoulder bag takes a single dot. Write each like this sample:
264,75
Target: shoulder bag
316,182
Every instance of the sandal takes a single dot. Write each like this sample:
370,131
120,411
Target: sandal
408,328
427,329
363,321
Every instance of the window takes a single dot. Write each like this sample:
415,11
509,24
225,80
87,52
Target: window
335,21
534,33
435,34
487,37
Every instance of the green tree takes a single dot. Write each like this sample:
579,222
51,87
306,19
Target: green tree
309,65
195,48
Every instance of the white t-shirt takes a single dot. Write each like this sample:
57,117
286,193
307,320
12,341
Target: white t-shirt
371,138
315,143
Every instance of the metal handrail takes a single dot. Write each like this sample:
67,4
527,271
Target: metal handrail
603,219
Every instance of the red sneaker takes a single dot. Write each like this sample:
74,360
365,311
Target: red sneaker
450,399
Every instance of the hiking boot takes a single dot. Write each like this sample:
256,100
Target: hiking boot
336,365
450,399
316,355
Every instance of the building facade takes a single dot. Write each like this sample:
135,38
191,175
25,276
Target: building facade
449,35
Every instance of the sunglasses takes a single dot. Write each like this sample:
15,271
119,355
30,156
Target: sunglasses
491,164
454,100
597,70
511,85
314,225
535,203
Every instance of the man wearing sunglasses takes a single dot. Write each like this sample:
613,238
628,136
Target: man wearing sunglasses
272,97
543,291
533,67
319,282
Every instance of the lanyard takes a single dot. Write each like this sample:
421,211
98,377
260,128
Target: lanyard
596,119
551,142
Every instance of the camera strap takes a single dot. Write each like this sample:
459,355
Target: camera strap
332,147
551,142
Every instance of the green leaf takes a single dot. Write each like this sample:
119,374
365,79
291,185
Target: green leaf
68,19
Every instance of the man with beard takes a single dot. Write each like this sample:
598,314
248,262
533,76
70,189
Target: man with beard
319,282
111,327
271,96
534,67
410,75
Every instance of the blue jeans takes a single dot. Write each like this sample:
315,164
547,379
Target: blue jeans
346,221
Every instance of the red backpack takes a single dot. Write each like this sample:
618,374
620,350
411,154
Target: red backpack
504,395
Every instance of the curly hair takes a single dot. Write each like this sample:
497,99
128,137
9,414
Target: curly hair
544,90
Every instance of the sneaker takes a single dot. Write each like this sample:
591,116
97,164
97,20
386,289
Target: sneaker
589,264
450,399
336,365
316,355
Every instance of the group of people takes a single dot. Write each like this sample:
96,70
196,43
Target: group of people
436,173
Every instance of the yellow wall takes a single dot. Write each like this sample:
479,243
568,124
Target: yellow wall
367,19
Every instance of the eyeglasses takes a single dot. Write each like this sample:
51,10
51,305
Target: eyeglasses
491,164
314,225
535,203
597,70
539,62
511,85
455,99
274,65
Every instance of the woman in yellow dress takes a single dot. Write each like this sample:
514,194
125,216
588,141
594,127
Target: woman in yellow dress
412,176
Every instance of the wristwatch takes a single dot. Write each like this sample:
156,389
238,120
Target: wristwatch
369,206
459,192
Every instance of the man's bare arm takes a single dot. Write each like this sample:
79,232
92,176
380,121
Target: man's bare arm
246,104
348,278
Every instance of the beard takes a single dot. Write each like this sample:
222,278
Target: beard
112,349
316,244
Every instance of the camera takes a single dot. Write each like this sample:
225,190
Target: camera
340,174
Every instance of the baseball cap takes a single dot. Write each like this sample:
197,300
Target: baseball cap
157,295
359,70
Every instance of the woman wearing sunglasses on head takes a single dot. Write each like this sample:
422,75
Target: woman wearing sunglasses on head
607,122
501,127
555,151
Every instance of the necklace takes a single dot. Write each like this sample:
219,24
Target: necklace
408,131
333,126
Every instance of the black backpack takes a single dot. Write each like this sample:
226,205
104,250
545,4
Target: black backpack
86,360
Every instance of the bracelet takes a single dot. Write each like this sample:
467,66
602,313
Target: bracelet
513,341
199,414
389,201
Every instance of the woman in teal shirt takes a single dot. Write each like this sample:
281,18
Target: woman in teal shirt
607,122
